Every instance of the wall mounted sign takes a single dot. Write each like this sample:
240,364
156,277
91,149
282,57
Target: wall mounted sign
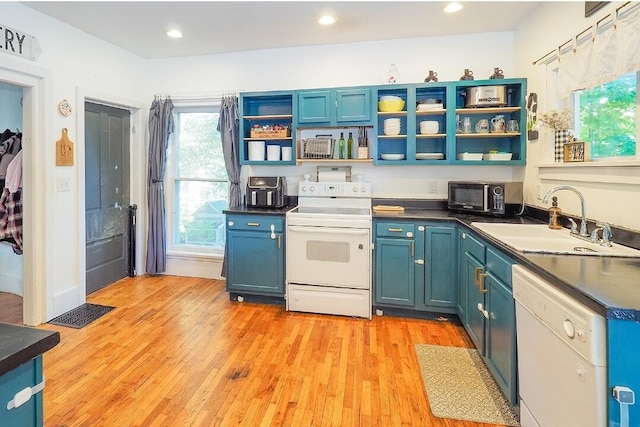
64,150
17,43
64,108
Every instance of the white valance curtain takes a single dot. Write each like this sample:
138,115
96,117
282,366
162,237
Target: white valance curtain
602,53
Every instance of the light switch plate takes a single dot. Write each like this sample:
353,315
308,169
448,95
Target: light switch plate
62,183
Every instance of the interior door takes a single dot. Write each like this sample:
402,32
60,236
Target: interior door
107,138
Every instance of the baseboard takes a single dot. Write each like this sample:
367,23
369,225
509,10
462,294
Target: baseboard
66,300
203,267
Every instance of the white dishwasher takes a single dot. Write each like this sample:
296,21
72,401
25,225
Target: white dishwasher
561,356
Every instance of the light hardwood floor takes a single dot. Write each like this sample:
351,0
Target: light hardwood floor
177,352
10,308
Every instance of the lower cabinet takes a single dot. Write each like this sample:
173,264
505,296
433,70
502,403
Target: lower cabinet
415,266
27,411
255,254
487,309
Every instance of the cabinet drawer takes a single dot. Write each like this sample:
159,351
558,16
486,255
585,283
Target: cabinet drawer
395,229
499,266
255,223
473,247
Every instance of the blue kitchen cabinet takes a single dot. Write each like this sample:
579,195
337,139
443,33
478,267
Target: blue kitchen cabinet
255,255
30,413
488,313
394,277
266,109
415,266
440,251
334,107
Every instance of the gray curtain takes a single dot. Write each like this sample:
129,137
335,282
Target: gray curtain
160,127
228,126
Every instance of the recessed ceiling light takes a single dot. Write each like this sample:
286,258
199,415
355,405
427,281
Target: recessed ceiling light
452,7
176,34
327,20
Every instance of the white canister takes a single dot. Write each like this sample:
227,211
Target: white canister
287,154
273,153
256,151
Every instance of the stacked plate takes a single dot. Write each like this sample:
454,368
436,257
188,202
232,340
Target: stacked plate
392,126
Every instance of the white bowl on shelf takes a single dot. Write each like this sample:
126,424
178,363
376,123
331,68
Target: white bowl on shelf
429,127
391,131
429,156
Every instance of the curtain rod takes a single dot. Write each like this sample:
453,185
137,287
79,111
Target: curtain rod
198,95
547,55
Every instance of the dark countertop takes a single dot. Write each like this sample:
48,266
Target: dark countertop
244,210
19,344
607,285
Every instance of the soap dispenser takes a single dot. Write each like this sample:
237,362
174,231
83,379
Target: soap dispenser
554,215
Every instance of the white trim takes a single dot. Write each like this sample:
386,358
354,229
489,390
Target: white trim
34,80
593,172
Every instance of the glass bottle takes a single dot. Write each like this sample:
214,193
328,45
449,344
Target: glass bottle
393,75
341,146
350,146
554,215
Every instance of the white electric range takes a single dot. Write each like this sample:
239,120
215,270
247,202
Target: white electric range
329,249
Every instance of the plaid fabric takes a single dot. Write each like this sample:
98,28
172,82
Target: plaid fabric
11,219
562,137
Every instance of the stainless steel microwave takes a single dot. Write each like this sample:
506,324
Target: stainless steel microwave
489,198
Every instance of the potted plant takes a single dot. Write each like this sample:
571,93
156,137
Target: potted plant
560,122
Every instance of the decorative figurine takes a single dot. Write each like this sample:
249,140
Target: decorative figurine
497,74
432,77
468,75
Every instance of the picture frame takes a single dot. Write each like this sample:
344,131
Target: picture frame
574,152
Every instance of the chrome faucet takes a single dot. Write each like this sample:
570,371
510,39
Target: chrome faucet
606,233
583,223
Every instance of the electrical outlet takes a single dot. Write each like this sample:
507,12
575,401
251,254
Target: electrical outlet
432,187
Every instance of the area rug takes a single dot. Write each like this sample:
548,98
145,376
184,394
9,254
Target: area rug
459,386
81,316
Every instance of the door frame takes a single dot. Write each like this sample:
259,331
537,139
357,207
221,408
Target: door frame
137,176
37,296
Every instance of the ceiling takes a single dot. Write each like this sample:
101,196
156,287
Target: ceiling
212,27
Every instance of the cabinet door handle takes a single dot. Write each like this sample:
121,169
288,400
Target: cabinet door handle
253,224
481,286
419,261
278,241
476,275
395,230
485,313
413,245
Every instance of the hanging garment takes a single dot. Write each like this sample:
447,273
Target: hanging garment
11,219
14,174
13,147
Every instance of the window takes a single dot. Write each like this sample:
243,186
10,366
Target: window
197,181
606,118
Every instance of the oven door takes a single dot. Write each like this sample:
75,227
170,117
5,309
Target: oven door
329,256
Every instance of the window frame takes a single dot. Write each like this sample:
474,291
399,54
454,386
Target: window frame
171,180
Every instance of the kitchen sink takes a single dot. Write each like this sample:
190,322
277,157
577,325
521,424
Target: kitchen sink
541,239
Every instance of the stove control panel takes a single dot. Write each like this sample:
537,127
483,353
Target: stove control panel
335,189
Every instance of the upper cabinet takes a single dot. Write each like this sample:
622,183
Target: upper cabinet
476,122
440,124
497,133
334,107
266,124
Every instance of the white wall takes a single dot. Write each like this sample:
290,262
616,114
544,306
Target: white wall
611,193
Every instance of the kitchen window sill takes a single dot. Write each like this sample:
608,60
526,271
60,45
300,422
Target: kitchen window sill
607,172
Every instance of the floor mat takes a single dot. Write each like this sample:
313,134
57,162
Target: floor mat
459,386
81,316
